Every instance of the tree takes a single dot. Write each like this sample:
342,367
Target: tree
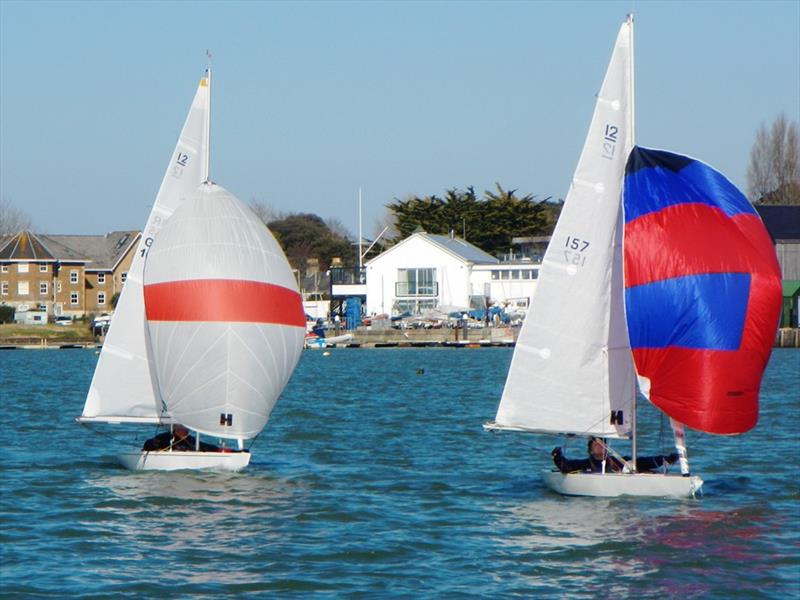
773,176
12,220
264,212
304,236
490,222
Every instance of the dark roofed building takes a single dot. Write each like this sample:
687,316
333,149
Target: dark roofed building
783,224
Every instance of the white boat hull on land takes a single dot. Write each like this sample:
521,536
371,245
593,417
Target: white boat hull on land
176,460
619,484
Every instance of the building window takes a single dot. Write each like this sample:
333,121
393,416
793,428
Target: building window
43,288
22,288
58,286
22,267
73,276
73,298
504,274
101,278
123,277
3,268
416,282
4,288
43,268
101,298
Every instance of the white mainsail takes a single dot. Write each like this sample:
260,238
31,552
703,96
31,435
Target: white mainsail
123,386
224,314
572,370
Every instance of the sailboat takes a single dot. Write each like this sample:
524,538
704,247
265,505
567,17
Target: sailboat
659,271
209,325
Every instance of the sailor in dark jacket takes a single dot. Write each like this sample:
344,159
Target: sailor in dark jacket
598,453
178,439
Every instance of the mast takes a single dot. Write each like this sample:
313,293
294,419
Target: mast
632,125
206,176
360,262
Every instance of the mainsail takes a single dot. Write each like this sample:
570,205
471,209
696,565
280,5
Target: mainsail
703,291
224,313
123,387
572,369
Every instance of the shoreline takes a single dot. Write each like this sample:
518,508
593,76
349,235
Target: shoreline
369,338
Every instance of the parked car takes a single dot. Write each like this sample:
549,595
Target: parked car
63,320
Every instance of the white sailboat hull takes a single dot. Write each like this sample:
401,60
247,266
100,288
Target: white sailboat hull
622,484
176,460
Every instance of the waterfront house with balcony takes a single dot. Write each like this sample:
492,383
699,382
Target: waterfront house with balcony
427,271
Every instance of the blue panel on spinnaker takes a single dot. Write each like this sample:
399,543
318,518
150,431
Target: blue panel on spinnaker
698,311
676,180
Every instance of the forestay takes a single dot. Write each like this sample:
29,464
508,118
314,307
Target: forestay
225,316
572,369
123,387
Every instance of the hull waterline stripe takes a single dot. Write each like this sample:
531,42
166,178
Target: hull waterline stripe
223,300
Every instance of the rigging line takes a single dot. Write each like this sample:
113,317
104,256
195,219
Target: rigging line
102,433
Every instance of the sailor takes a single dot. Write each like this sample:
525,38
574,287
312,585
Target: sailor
178,439
600,461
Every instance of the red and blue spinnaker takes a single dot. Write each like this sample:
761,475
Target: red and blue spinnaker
702,291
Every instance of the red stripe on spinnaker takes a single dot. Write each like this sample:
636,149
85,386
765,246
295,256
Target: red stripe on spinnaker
689,239
230,300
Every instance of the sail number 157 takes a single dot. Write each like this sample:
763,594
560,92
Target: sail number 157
574,252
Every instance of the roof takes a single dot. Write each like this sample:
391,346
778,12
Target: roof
25,246
781,220
454,246
103,252
791,288
462,248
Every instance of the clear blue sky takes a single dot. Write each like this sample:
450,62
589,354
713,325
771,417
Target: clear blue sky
312,100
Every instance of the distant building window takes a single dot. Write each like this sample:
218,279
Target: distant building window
43,268
73,298
495,275
58,286
504,274
3,268
416,282
22,288
101,298
101,278
43,288
123,277
73,276
4,288
22,267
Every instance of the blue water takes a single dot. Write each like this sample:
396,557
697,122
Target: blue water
375,480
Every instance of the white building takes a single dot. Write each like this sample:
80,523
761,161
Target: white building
426,271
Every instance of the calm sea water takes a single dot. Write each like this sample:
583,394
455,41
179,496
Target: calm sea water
375,479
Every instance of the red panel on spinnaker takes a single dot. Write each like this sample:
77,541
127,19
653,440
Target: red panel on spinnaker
702,291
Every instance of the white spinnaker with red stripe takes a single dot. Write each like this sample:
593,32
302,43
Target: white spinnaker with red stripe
123,387
224,314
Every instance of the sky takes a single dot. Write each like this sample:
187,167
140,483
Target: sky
313,100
